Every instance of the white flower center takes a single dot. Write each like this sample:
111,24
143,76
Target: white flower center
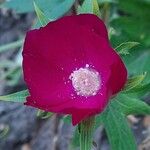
86,81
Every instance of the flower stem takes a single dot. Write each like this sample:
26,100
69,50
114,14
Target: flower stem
86,130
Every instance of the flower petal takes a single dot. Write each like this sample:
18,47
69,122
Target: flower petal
52,53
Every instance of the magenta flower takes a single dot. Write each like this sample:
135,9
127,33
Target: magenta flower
70,67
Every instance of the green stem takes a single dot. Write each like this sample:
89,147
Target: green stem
86,130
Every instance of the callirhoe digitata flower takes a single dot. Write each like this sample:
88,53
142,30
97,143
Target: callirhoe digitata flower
70,67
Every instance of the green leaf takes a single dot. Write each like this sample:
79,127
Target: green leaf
117,129
75,140
43,114
89,6
115,123
131,105
134,82
135,7
107,1
127,30
57,8
126,22
20,7
96,9
53,9
16,97
124,48
67,119
140,90
138,86
111,32
139,62
42,18
98,121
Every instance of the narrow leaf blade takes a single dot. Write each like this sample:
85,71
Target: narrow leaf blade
96,9
131,105
85,8
140,90
124,48
117,129
134,82
89,6
16,97
43,114
42,18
